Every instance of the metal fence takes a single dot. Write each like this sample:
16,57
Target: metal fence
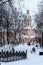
12,56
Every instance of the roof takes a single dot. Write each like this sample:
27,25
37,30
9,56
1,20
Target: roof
24,36
28,28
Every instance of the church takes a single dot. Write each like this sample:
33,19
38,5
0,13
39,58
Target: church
29,33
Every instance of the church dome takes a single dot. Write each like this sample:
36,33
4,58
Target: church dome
28,17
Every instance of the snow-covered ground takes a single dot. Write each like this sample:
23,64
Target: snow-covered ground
32,58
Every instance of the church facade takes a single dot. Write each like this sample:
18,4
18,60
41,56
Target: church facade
29,34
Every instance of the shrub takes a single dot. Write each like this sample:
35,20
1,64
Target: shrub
33,50
36,46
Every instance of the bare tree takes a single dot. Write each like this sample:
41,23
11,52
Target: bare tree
10,21
39,19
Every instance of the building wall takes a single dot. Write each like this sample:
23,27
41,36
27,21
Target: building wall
29,31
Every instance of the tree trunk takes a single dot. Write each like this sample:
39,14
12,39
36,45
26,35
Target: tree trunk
1,36
15,37
42,38
19,37
7,32
4,37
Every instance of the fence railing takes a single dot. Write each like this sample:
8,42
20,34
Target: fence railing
12,56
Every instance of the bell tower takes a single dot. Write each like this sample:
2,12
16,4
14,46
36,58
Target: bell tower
28,19
27,11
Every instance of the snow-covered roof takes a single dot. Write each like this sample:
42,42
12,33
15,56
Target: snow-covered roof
24,36
32,36
27,27
36,35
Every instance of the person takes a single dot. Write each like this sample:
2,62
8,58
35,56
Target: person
29,43
26,53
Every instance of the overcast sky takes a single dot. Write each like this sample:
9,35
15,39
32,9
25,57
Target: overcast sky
28,4
32,6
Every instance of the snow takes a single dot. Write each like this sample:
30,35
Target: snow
24,36
6,47
32,36
32,58
27,28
